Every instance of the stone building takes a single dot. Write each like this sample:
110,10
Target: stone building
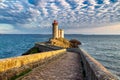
61,33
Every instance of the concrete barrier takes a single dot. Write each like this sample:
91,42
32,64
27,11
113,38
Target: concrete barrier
93,70
14,66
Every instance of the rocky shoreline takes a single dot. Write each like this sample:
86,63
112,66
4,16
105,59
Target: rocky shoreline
53,44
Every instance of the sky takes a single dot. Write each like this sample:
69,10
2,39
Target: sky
74,16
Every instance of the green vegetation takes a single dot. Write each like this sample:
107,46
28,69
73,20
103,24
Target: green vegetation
21,74
34,50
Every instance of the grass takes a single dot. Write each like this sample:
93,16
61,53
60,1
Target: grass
34,50
21,74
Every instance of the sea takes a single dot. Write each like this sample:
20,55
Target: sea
104,48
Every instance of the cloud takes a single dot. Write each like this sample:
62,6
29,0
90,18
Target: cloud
7,28
70,13
108,29
107,1
2,0
2,6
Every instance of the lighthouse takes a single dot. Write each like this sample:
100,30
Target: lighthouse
56,32
55,29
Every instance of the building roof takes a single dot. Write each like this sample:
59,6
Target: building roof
55,22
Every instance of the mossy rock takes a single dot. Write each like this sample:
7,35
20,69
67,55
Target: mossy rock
21,74
34,50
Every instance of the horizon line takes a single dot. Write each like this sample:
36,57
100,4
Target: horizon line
51,34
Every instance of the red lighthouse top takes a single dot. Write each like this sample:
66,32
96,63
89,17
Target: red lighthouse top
55,22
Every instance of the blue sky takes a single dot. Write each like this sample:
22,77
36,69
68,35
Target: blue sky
75,16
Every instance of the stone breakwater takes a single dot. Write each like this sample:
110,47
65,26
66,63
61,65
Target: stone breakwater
66,67
14,66
92,69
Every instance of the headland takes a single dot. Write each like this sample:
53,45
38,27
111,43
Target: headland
58,58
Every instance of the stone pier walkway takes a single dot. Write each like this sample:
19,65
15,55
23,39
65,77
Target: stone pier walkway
67,67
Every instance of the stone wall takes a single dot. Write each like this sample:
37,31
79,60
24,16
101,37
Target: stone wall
14,66
93,70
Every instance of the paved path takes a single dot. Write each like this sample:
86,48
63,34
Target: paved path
67,67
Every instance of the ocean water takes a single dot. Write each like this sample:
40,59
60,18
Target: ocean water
104,48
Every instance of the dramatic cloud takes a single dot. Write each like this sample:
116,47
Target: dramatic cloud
71,14
6,28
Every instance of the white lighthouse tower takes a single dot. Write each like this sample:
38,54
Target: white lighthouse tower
56,32
55,29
